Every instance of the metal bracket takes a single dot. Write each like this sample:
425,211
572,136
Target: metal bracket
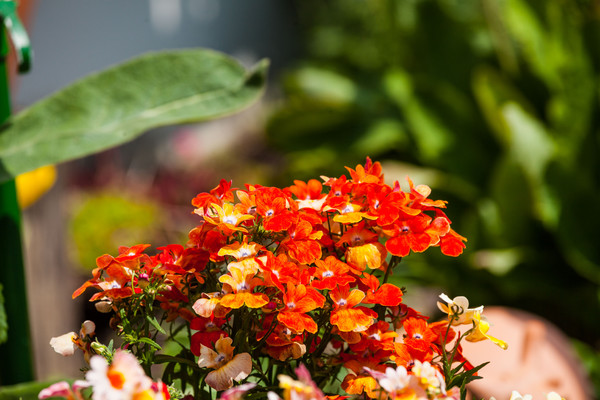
17,33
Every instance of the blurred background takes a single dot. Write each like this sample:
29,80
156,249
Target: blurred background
494,104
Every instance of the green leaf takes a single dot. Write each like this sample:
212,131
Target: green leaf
23,391
150,342
3,321
431,135
155,324
114,106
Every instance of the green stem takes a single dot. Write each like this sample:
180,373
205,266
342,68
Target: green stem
15,353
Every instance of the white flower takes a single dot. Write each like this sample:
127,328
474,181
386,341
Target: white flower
118,381
64,344
458,309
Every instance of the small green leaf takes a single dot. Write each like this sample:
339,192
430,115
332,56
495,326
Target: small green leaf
150,342
118,104
155,324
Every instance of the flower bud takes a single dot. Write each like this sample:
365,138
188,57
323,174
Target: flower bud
104,306
88,328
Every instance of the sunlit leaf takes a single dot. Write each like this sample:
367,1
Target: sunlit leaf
116,105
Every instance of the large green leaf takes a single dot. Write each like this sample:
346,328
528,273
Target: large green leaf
116,105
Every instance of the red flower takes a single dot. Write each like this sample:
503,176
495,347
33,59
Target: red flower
209,332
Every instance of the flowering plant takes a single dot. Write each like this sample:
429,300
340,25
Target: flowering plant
282,282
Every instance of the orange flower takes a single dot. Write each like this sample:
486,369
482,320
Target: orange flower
302,242
346,315
416,233
298,300
349,212
370,173
245,254
309,194
227,218
330,273
387,294
377,338
281,343
241,283
419,339
274,206
227,367
371,255
221,193
359,381
452,244
209,306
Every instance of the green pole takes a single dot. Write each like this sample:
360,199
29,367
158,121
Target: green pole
16,364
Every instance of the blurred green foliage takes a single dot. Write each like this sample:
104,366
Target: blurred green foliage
492,103
118,220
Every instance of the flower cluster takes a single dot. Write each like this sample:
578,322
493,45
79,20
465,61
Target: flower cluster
273,279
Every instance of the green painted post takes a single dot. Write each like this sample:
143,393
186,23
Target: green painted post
16,363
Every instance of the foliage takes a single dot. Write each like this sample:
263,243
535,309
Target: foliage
283,280
116,105
118,219
502,96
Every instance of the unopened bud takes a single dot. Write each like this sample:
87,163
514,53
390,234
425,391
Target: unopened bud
104,306
98,347
88,328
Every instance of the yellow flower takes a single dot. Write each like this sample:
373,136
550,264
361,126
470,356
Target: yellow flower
479,331
33,184
458,309
227,367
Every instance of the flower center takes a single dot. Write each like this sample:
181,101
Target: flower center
291,305
327,274
220,358
230,219
269,213
342,302
116,379
245,253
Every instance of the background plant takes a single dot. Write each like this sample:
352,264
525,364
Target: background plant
495,105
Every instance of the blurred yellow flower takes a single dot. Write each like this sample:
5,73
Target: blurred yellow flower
34,184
